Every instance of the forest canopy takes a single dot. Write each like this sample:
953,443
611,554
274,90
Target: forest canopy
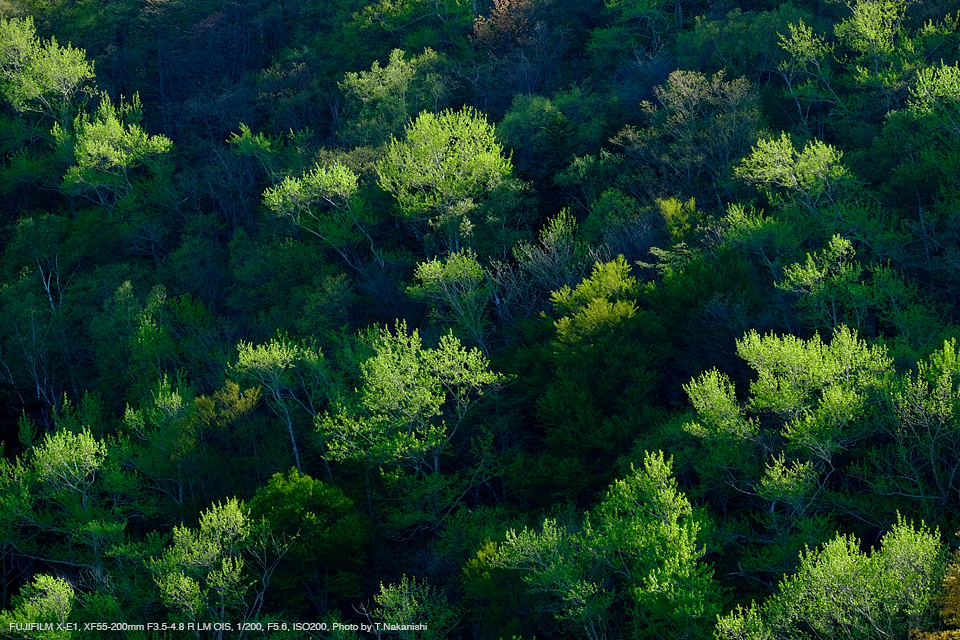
492,319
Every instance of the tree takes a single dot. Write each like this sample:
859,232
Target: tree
813,176
700,128
443,166
631,568
107,149
165,430
558,259
742,43
418,23
414,609
291,374
841,592
459,286
67,500
387,99
834,288
46,600
325,534
411,401
924,431
39,76
636,25
949,603
324,202
807,74
204,574
811,405
599,375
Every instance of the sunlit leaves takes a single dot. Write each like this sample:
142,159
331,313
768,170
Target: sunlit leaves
47,600
458,287
200,574
40,76
414,602
68,462
814,175
389,98
841,592
411,401
107,147
633,564
292,374
443,166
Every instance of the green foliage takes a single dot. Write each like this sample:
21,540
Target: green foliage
814,176
387,99
442,167
545,133
165,431
107,149
608,281
923,432
45,600
459,288
834,289
416,609
873,28
595,396
820,390
293,375
200,575
810,404
416,24
743,43
325,533
67,501
636,25
696,134
558,260
134,344
67,464
631,568
131,270
324,202
807,74
841,592
918,144
678,216
41,76
411,402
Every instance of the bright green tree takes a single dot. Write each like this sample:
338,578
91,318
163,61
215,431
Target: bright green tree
457,287
108,147
443,167
324,202
807,74
293,376
841,592
810,403
200,575
813,176
918,462
411,401
416,608
66,502
46,600
41,76
631,568
389,98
